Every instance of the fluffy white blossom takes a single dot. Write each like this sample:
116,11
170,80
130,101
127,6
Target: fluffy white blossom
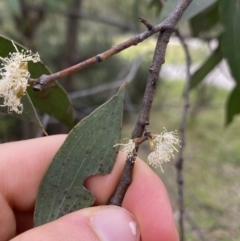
164,146
128,147
14,78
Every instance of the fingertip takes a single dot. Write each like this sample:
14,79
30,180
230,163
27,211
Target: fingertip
74,226
92,224
23,166
148,201
109,181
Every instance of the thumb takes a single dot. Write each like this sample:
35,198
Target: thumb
102,223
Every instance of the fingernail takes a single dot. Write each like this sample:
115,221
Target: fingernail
115,223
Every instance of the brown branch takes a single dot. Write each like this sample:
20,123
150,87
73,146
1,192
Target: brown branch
180,160
113,85
154,70
146,23
144,116
168,24
70,49
72,35
124,182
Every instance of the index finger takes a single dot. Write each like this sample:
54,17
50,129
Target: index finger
22,167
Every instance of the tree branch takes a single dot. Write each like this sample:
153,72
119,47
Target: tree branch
144,116
168,24
116,84
180,160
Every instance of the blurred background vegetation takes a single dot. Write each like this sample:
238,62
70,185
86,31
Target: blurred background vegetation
67,32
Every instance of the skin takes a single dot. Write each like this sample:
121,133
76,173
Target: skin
22,167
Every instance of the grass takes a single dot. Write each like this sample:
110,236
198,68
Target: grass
211,160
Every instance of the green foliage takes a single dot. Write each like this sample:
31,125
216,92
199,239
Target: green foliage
230,17
230,41
53,101
88,150
212,61
205,22
233,105
195,8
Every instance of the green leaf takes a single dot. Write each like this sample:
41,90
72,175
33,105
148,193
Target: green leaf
213,60
230,17
54,100
205,21
88,150
29,113
194,8
233,105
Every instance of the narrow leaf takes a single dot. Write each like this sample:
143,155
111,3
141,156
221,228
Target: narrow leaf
230,17
233,105
212,61
205,21
54,100
88,150
196,7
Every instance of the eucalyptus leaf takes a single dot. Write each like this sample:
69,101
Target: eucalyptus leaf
88,150
230,17
54,100
233,105
196,7
205,22
212,61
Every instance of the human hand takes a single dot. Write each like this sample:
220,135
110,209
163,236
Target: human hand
22,167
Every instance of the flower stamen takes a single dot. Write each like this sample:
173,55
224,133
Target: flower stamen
14,78
164,146
128,148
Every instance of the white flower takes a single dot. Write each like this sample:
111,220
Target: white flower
128,148
164,146
14,78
